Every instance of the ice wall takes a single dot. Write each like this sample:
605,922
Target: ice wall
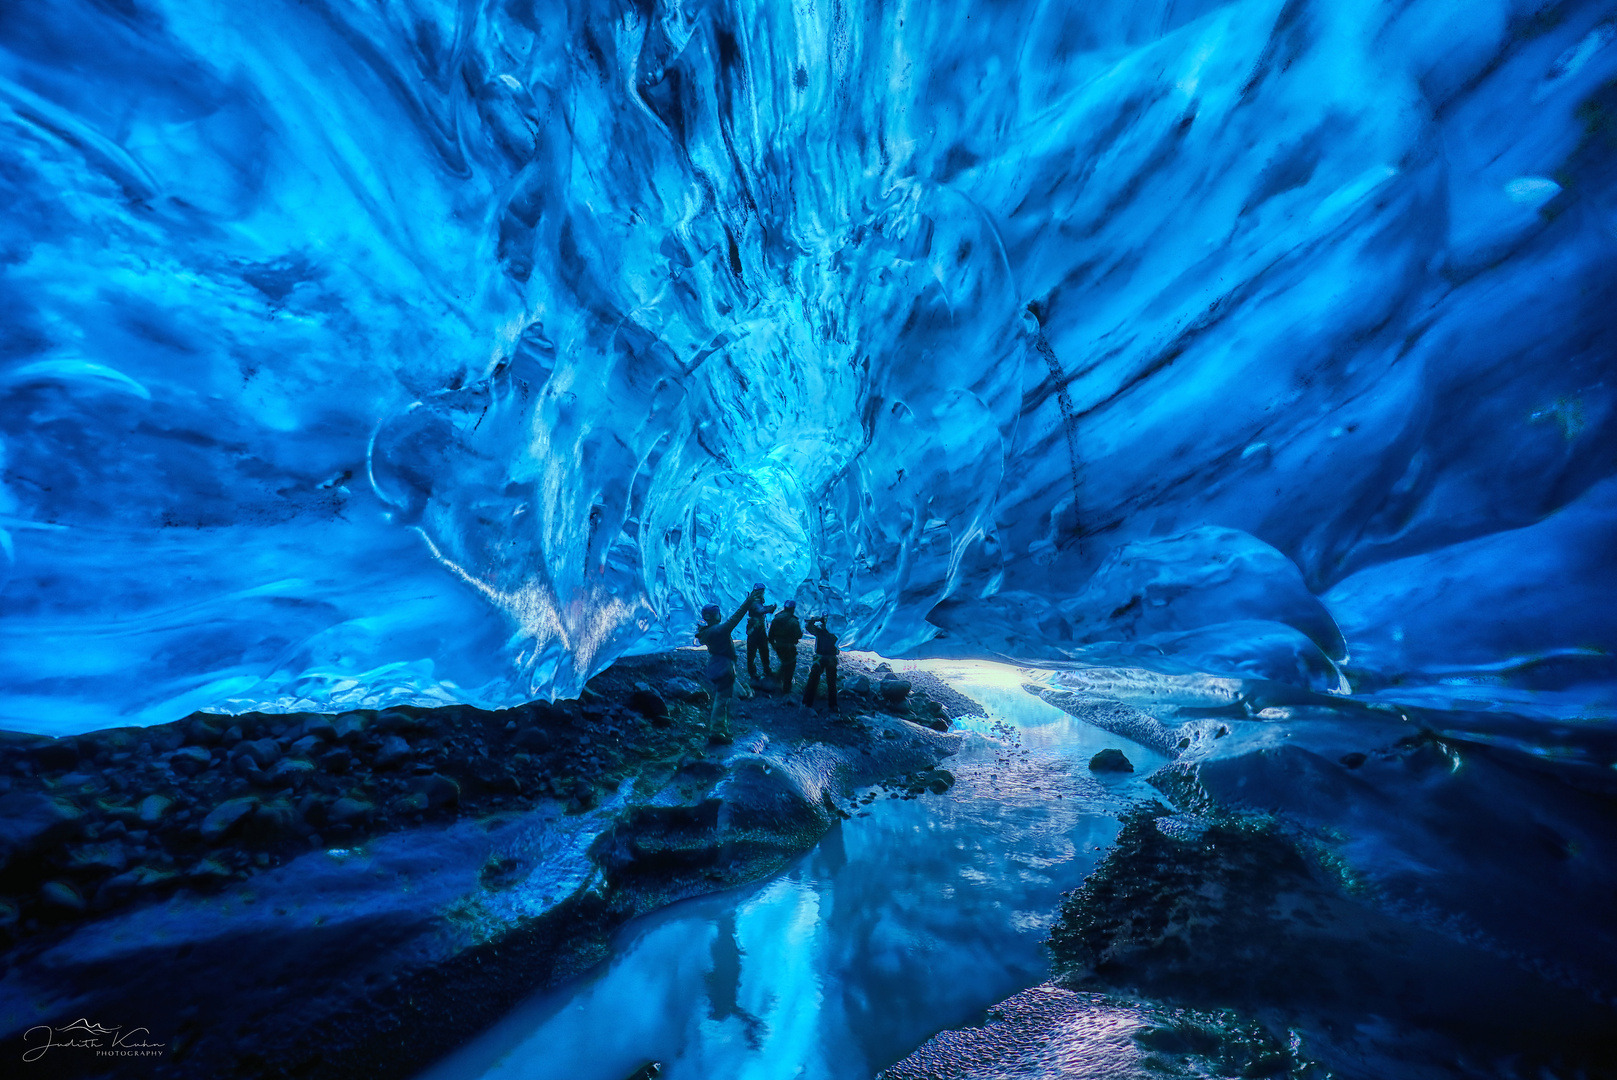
370,352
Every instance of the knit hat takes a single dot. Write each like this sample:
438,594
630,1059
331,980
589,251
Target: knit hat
758,585
711,609
789,605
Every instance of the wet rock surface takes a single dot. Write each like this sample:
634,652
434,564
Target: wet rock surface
382,884
1363,894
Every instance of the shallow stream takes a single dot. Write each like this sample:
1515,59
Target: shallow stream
914,916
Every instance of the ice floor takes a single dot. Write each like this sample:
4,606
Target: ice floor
912,917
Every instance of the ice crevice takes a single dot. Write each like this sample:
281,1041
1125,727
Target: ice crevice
429,352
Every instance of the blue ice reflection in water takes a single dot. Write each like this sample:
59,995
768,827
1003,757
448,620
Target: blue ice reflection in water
901,923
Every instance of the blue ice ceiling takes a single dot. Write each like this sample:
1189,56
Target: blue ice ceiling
375,352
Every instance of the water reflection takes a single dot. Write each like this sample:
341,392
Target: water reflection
912,919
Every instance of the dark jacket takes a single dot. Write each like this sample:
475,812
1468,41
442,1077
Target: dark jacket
825,642
785,631
755,618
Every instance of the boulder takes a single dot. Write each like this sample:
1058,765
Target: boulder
894,690
109,856
439,790
860,685
189,760
152,808
32,819
274,821
350,727
347,809
202,732
209,870
59,894
337,762
1110,760
319,727
289,773
263,752
226,816
116,890
534,739
682,689
648,703
166,737
393,752
56,755
306,746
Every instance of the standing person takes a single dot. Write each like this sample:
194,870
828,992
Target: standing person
757,636
784,634
721,665
825,660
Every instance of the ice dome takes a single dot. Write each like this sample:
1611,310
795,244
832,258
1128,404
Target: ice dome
420,352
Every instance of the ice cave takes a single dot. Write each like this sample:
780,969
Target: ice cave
1193,423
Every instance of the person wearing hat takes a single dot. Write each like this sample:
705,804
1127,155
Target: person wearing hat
784,634
757,635
721,665
825,662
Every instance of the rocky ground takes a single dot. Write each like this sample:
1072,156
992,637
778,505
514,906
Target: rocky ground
1354,896
349,895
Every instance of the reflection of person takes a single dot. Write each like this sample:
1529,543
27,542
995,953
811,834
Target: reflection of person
757,637
721,665
784,634
825,661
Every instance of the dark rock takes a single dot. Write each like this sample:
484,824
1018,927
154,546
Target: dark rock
649,703
438,790
1353,760
165,738
274,821
320,727
226,816
57,755
347,809
109,856
290,773
682,689
202,732
59,894
651,1070
232,736
209,870
313,808
264,752
894,690
32,819
307,746
337,762
189,760
116,890
392,722
393,752
860,685
1184,743
151,809
350,727
1110,760
534,739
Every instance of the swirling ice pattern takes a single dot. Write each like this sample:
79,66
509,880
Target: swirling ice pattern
362,353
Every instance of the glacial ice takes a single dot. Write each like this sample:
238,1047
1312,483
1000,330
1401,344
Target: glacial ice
358,354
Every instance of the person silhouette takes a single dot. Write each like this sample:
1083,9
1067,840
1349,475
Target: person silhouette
825,663
721,665
784,634
757,634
